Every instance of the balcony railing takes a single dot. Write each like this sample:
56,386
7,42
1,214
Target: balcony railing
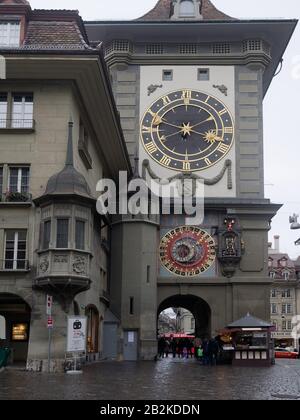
16,197
17,124
14,265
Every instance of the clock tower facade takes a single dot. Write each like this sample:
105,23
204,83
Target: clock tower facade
189,83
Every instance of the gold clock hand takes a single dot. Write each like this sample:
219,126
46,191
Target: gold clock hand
164,138
158,120
202,122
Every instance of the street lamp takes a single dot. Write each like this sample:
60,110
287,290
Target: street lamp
295,225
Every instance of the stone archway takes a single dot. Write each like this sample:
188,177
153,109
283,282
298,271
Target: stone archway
17,314
197,306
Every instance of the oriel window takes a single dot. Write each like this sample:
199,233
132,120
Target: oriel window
80,234
62,233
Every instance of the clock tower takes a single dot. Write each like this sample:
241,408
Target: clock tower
189,83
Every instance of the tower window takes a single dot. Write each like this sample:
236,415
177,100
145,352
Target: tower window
187,8
167,75
203,74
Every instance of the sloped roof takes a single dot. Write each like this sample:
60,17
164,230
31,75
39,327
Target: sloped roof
250,321
54,35
12,2
163,10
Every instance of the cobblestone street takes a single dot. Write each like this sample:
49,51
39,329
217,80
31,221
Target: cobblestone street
165,380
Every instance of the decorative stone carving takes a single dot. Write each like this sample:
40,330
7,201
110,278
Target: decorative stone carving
153,88
192,176
79,265
60,259
230,248
44,265
222,88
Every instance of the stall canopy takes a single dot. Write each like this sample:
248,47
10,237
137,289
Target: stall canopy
250,321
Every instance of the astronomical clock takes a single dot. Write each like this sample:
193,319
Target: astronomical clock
187,251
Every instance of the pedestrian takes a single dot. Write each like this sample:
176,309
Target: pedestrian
173,347
161,347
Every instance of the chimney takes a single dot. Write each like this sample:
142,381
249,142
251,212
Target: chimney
276,244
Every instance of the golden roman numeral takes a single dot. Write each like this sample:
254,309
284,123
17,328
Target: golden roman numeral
224,111
186,96
165,161
166,100
186,166
150,147
223,148
228,130
207,161
207,99
153,114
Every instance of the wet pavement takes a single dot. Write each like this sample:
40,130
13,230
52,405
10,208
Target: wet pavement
166,379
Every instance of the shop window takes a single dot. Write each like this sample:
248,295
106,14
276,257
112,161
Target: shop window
92,329
20,332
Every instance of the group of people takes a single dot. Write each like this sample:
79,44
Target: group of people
206,351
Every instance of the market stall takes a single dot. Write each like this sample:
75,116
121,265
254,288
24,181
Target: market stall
251,342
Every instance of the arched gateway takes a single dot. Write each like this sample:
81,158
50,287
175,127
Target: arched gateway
197,306
17,314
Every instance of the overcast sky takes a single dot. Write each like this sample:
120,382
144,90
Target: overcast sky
282,111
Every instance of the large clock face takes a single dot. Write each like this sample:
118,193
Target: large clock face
187,251
187,130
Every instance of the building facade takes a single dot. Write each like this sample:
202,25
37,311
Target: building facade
185,322
83,101
285,297
54,147
192,105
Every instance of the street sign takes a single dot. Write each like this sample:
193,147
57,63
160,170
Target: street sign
49,303
77,333
50,322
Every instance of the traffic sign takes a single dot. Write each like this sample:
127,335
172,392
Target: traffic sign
50,322
49,303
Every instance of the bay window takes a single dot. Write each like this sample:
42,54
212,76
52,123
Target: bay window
80,234
62,233
46,234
